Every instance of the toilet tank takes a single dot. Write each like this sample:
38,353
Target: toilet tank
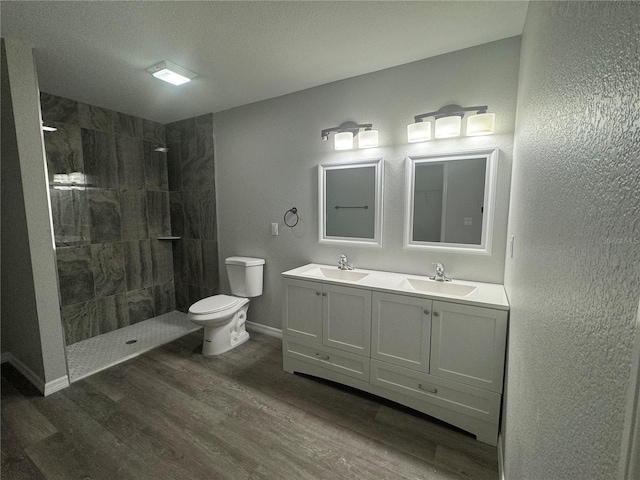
245,275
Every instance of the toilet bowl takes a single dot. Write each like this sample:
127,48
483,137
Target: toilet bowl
223,316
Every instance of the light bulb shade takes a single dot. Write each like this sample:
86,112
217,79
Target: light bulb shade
447,127
368,139
481,124
343,141
419,132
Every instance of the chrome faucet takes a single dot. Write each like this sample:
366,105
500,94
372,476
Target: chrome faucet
343,264
440,276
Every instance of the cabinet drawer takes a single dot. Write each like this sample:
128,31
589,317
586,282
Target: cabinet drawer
454,396
346,363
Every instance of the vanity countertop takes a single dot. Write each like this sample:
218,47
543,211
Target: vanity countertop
490,295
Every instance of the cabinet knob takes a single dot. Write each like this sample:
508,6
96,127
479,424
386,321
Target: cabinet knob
324,294
436,314
426,312
322,357
317,293
426,388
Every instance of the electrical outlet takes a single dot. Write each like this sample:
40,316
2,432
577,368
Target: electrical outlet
274,229
467,220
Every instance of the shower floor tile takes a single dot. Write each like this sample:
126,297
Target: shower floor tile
99,353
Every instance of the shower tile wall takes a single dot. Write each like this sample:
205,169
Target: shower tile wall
112,270
193,209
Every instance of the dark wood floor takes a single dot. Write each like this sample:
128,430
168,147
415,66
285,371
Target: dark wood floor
174,414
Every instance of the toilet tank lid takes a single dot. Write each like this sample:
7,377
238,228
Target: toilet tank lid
246,261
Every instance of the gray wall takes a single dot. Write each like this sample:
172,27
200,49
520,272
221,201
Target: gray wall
30,306
267,155
112,270
574,281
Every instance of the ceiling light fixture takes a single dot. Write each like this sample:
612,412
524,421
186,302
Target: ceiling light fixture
172,73
448,122
344,134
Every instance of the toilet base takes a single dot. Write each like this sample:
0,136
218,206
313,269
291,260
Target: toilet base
221,339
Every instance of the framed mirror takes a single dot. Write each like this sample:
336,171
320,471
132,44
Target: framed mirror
450,201
350,203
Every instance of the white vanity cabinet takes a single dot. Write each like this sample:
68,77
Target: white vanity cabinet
442,357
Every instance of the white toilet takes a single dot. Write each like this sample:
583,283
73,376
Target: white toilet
223,316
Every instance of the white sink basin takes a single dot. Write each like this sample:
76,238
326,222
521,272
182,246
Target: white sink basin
336,274
438,287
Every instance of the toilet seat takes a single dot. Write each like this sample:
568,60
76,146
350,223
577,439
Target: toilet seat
217,303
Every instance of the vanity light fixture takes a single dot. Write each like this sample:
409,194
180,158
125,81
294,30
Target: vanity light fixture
171,73
448,122
344,134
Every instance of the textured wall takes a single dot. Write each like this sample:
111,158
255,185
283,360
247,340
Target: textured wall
193,209
574,281
267,155
112,270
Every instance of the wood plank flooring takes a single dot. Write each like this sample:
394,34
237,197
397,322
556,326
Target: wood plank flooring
174,414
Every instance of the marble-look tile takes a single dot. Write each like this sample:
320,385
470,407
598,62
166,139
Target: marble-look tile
158,214
208,229
153,132
205,162
104,209
112,313
79,321
193,261
140,305
75,274
155,169
189,161
137,265
108,269
187,129
210,268
164,298
98,153
192,217
64,150
70,214
130,160
128,125
176,211
204,125
96,118
174,167
58,109
133,212
182,297
161,261
179,264
172,132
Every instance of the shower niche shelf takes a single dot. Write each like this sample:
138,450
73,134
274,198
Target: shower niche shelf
168,238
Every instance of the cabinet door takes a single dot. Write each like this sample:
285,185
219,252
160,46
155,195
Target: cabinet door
302,309
401,330
347,319
468,344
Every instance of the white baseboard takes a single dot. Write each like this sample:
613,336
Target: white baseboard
270,331
500,457
45,388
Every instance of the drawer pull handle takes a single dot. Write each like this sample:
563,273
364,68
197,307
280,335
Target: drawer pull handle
427,389
436,314
426,312
324,294
317,293
322,357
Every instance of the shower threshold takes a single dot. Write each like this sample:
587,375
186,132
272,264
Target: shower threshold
103,351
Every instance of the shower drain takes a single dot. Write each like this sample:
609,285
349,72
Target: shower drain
129,342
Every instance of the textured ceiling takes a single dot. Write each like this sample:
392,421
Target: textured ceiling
243,51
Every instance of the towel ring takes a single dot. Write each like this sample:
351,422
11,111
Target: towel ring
293,211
